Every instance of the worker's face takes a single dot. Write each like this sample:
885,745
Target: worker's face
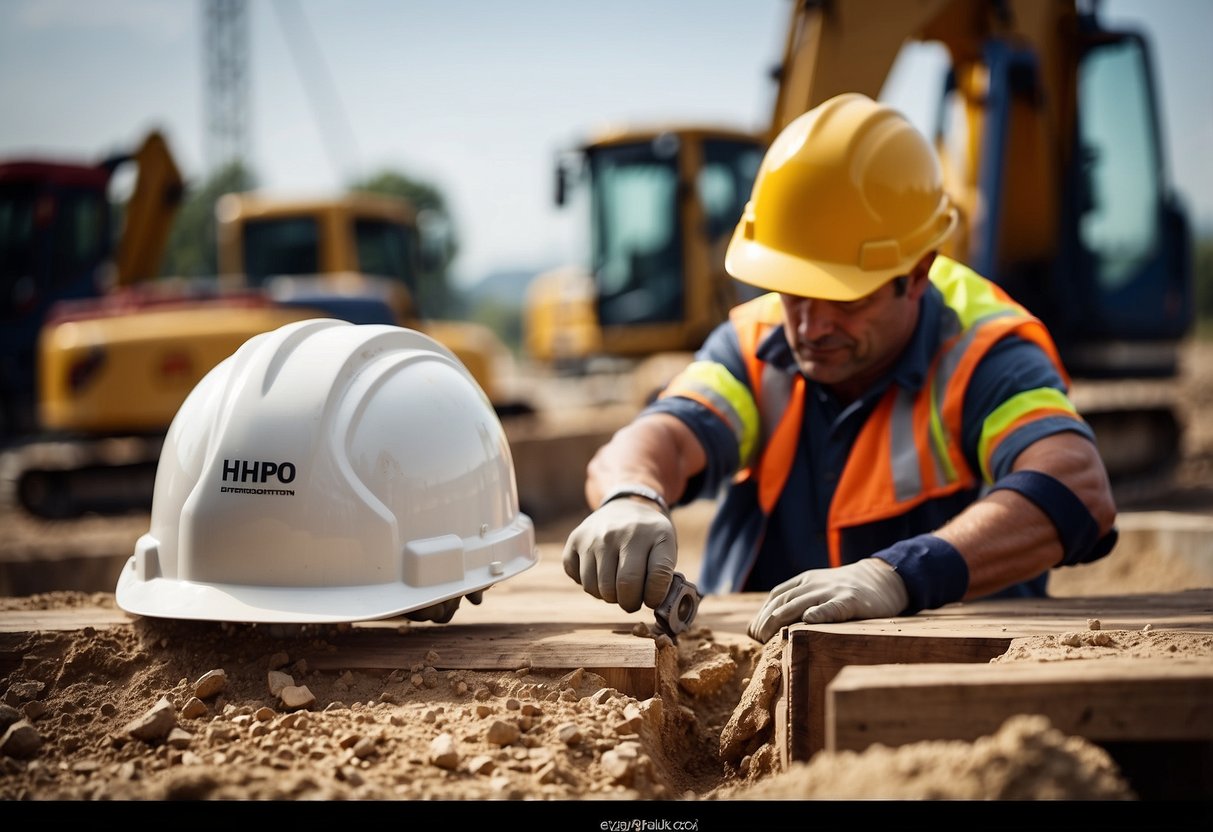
848,345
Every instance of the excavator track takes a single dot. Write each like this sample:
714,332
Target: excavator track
1139,429
63,478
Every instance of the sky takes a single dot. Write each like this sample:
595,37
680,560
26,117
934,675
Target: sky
476,97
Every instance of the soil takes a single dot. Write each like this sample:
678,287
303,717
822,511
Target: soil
165,710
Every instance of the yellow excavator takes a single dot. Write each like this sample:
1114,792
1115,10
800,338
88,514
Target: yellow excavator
109,355
1050,140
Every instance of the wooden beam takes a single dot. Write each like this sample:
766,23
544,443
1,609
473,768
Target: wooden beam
957,634
1106,699
626,662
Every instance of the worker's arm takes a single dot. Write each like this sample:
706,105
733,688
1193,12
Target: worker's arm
1055,507
657,450
625,551
1007,537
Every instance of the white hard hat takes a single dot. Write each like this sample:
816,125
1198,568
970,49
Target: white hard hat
329,472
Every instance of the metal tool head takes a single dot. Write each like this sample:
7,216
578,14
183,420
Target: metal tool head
678,610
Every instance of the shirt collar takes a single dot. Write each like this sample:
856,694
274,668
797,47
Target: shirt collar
909,372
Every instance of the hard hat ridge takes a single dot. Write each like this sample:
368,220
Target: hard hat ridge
848,196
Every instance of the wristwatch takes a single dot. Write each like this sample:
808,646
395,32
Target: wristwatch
635,489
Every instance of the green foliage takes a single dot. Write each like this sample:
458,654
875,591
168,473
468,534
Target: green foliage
439,242
192,249
504,319
1203,279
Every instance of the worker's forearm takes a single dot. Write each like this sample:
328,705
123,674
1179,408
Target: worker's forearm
657,450
1005,538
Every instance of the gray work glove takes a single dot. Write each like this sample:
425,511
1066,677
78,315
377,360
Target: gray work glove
624,553
868,588
443,611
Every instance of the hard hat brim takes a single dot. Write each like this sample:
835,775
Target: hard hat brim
759,265
170,598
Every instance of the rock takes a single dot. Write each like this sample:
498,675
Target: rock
8,715
179,738
752,720
708,676
621,762
481,764
503,733
155,725
193,708
295,697
21,740
602,695
278,680
443,752
632,720
569,733
210,684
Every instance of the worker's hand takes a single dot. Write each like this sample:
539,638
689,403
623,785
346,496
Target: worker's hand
624,553
868,588
443,611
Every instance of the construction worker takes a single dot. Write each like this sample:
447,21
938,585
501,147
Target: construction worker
886,431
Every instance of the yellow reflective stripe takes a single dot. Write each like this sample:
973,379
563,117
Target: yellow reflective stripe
971,297
1046,399
732,401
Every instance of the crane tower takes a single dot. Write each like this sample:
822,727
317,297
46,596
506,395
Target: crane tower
225,55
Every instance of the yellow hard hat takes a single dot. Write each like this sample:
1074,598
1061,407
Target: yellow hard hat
849,196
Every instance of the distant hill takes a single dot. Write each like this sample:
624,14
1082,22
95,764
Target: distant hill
496,301
507,288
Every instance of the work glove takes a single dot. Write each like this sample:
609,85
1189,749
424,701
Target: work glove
624,553
868,588
443,611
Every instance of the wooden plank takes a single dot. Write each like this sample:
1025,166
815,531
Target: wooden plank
1106,699
62,618
628,663
959,633
813,656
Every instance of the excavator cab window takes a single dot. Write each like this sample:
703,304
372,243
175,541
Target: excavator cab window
289,246
1132,259
17,287
636,243
725,182
387,250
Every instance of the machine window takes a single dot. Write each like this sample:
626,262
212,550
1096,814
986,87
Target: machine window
1120,163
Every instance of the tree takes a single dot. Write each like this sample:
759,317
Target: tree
438,240
1203,278
192,249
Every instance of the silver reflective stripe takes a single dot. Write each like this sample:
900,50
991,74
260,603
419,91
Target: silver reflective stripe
773,400
945,369
907,481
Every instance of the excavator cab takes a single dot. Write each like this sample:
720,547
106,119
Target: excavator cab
54,244
1086,234
1051,144
662,204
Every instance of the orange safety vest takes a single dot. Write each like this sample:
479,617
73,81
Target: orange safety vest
908,452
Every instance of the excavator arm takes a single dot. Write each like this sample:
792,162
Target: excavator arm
153,205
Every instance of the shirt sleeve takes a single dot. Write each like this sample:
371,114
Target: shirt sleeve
718,439
1016,397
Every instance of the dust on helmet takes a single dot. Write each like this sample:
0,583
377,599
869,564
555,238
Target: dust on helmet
329,472
848,196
